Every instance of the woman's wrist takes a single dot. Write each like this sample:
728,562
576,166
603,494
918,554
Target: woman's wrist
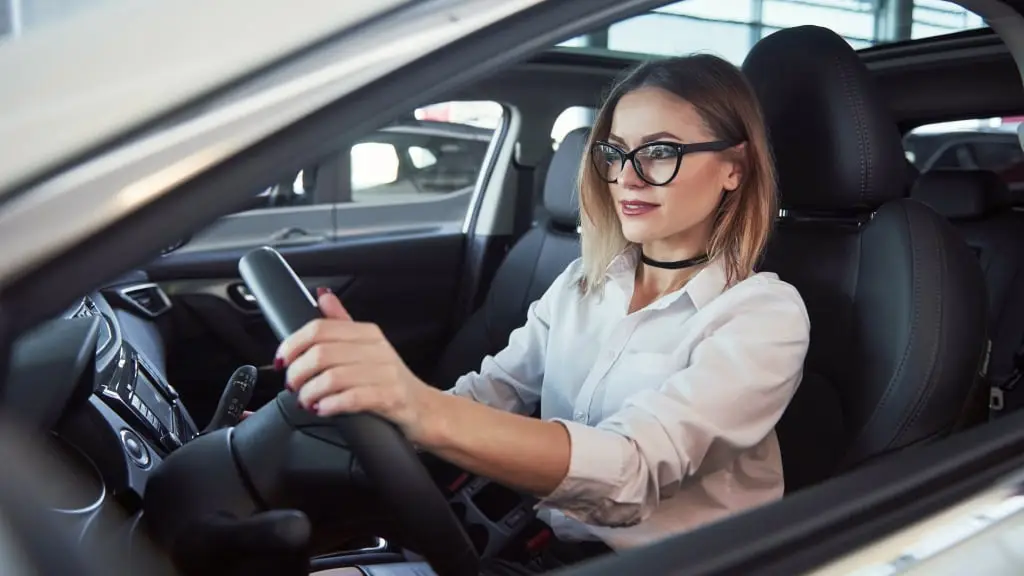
431,429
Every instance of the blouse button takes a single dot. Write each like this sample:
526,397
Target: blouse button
580,417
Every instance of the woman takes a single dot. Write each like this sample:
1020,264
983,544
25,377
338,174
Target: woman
661,361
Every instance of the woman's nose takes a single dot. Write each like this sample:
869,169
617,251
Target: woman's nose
628,178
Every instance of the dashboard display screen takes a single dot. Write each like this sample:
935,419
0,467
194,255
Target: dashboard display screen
153,400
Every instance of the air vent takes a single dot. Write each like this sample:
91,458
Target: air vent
149,299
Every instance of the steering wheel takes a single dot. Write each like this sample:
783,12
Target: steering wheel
257,492
386,456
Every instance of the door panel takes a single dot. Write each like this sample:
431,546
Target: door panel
355,221
406,283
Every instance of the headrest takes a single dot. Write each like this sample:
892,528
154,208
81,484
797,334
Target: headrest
961,194
560,194
836,146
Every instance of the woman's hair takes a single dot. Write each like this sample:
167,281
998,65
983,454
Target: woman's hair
730,111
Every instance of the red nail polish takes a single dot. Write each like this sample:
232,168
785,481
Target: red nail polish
278,364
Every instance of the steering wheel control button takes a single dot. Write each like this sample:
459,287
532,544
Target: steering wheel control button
135,448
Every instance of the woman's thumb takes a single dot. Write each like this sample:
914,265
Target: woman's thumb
330,305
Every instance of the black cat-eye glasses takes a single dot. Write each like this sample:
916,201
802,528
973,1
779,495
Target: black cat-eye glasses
656,163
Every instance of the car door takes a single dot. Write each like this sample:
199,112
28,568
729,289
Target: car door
356,222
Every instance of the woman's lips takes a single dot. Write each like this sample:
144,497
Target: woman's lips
636,207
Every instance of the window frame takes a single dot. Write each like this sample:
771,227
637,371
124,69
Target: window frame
338,218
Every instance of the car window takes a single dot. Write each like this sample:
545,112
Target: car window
971,144
420,169
729,28
570,119
421,157
437,153
373,164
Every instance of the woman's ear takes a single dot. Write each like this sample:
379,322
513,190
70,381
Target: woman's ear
735,167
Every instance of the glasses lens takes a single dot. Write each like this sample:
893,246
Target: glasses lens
607,161
657,163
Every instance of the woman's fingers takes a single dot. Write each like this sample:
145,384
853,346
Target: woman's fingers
349,401
325,330
348,378
331,306
325,355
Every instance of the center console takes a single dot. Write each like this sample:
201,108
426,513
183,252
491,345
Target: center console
493,515
136,391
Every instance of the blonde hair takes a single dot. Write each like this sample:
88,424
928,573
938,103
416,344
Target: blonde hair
730,110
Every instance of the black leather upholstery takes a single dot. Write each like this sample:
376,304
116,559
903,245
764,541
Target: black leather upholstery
526,273
977,202
838,120
560,198
896,298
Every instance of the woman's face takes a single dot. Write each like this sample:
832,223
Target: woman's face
678,216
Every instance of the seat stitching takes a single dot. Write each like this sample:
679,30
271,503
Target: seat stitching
863,142
924,396
897,374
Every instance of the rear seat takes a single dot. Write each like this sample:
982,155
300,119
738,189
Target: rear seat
978,204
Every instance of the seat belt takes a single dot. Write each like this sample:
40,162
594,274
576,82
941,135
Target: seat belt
1002,399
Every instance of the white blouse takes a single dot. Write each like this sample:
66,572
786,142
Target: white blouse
671,410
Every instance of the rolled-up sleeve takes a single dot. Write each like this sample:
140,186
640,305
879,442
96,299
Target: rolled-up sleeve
511,379
729,396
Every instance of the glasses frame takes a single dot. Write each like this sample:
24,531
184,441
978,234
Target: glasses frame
681,150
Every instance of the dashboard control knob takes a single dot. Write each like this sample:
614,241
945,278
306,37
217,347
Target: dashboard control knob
135,448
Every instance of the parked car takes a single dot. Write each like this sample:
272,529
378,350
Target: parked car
995,150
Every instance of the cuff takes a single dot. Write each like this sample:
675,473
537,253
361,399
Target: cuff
597,459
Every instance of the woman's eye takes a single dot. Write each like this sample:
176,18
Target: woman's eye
660,152
610,156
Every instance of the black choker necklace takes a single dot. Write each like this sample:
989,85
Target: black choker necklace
678,264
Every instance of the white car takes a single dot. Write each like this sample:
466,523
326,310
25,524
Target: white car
137,276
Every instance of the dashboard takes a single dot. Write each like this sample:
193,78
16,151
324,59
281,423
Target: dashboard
129,382
130,418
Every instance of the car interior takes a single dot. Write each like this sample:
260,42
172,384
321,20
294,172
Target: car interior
910,279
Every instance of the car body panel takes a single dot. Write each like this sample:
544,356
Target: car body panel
103,89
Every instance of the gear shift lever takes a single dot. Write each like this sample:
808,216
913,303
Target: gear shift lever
235,398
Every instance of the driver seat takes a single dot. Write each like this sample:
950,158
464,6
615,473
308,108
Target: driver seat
527,271
897,300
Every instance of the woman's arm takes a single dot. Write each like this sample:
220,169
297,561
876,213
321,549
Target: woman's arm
331,355
521,452
728,398
738,383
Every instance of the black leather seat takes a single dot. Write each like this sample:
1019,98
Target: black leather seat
528,270
896,298
978,203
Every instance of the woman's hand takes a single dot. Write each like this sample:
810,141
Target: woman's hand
337,365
